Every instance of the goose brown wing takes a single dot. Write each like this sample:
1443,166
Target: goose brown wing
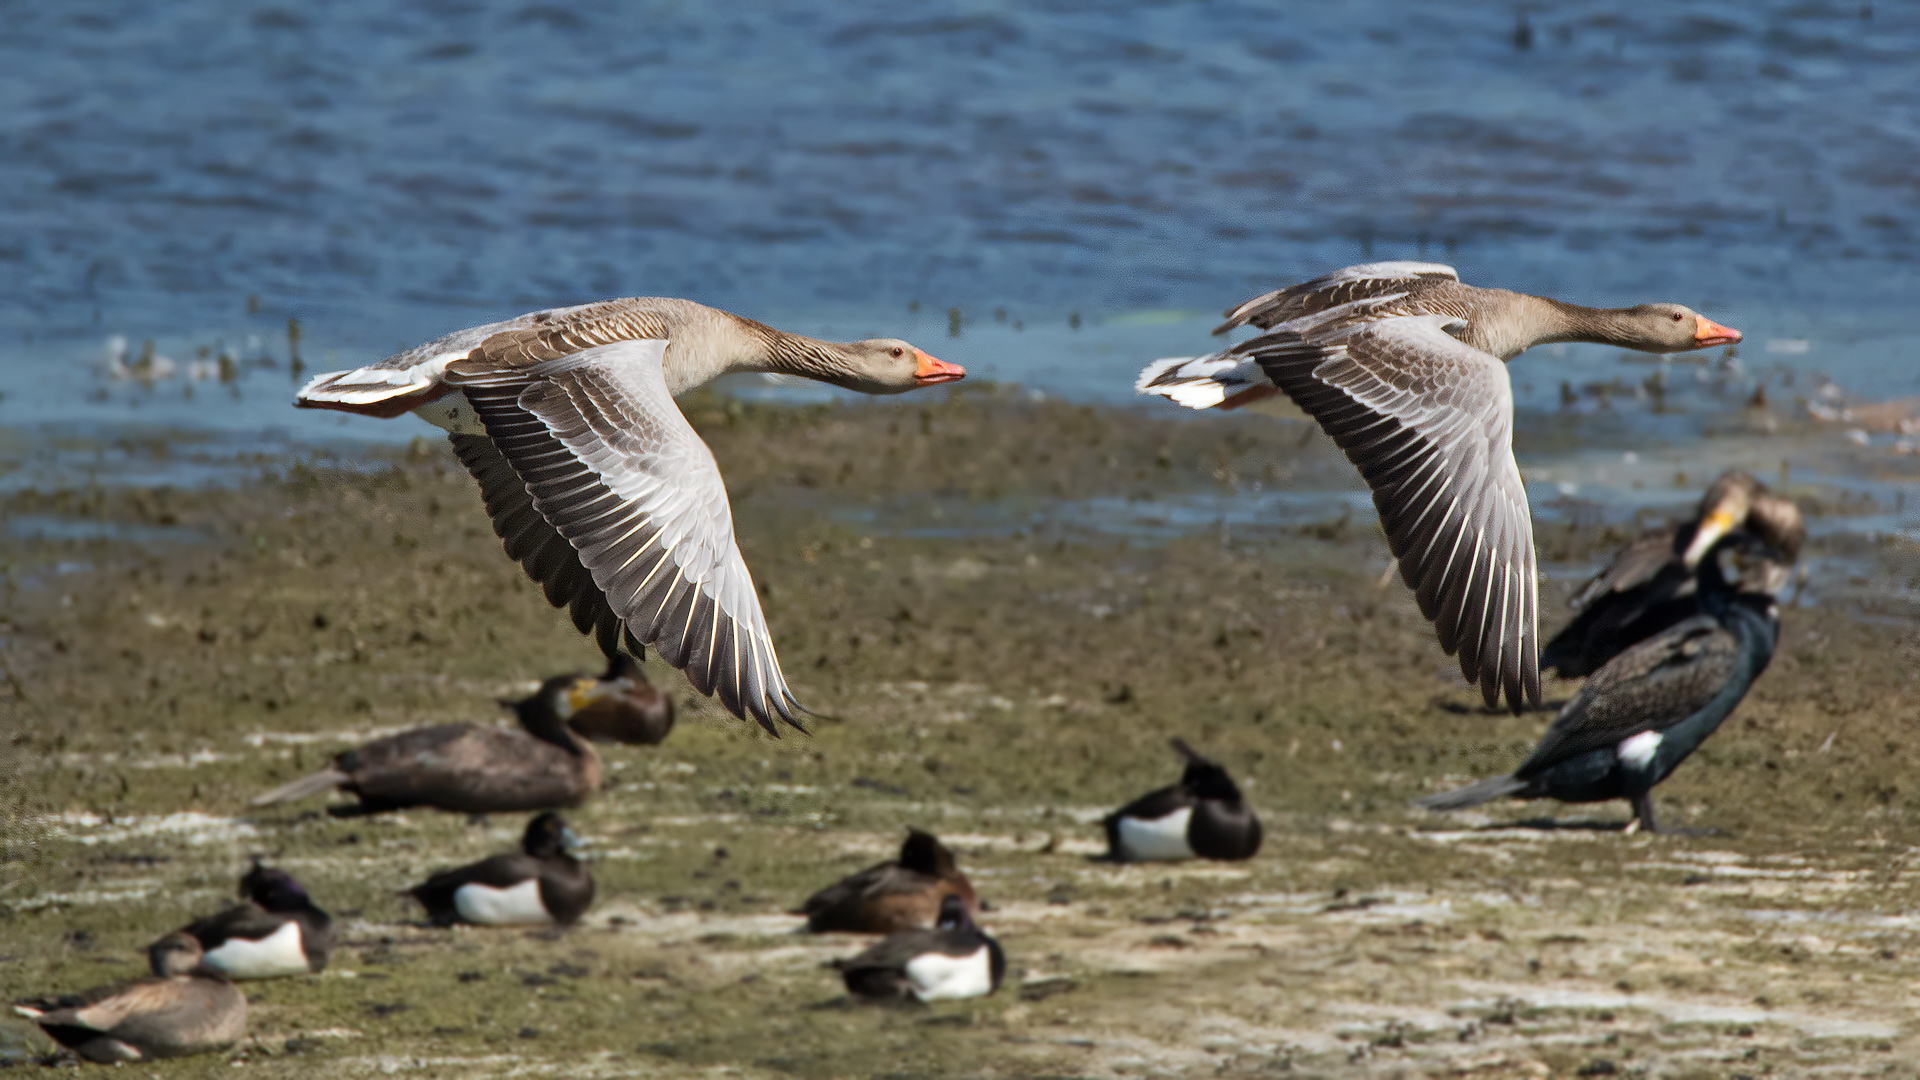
1380,280
613,467
1428,420
1649,687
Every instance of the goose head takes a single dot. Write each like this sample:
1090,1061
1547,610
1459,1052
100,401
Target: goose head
890,366
1667,328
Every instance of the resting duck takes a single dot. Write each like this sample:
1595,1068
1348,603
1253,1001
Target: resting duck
182,1008
540,883
956,960
1202,816
1641,714
902,894
631,709
1404,366
1649,586
597,484
471,768
281,931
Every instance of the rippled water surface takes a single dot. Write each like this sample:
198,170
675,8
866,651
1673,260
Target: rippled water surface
195,174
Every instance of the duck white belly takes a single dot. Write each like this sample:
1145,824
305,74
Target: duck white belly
938,977
501,907
1161,838
274,956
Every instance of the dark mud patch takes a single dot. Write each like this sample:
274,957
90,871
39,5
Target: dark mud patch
1002,679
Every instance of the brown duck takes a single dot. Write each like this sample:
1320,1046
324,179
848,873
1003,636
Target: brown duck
1405,367
182,1008
471,768
900,894
597,484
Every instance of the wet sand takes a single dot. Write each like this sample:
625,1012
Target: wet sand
1000,627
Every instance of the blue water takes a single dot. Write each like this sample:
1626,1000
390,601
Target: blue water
197,173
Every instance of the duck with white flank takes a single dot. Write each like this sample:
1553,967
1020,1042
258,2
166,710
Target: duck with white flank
631,710
1641,714
597,484
953,961
279,931
471,768
1404,367
902,894
540,883
1649,586
1202,816
182,1008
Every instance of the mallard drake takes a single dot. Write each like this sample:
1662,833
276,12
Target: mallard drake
540,883
953,961
1405,367
1637,718
280,931
632,710
1649,585
900,894
1202,816
472,768
182,1008
599,487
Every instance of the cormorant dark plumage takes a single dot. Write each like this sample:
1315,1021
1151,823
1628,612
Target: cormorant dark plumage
471,768
1649,586
1642,713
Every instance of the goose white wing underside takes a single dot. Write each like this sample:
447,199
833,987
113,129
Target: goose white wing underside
1428,420
613,466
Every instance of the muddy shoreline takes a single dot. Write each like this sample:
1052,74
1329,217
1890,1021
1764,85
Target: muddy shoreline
1001,621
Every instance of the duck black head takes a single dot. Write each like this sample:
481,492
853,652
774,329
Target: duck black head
273,889
1205,778
954,914
548,835
176,954
924,853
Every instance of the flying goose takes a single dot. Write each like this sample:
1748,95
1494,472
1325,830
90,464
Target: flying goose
540,883
1637,718
471,768
182,1008
1403,365
1202,816
597,484
953,961
902,894
1649,586
279,931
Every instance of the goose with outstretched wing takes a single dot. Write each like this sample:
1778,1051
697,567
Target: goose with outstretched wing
599,487
1405,367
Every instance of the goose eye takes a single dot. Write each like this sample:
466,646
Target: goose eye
1677,316
896,353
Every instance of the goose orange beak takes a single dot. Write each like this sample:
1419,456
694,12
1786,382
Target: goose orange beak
930,371
1707,332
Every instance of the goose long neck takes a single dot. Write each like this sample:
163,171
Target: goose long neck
811,358
1558,320
706,350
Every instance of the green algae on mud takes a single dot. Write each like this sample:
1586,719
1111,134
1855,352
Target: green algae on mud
1001,621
